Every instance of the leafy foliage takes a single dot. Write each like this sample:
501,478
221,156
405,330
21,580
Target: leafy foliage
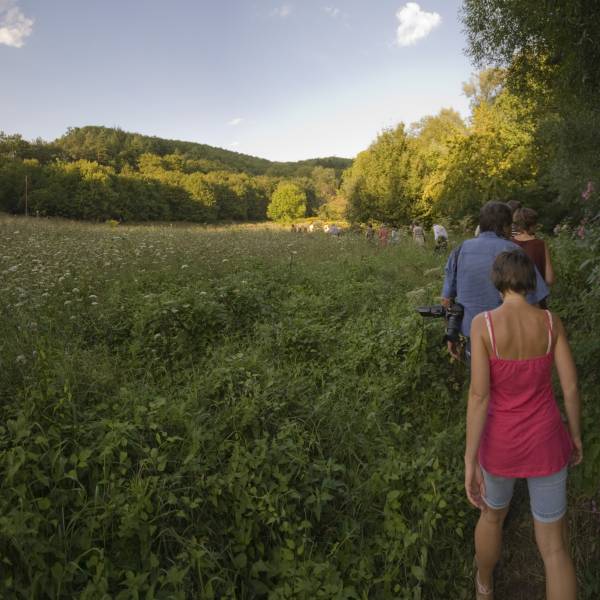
287,203
202,413
98,174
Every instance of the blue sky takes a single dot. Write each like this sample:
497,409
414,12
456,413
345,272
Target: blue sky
281,79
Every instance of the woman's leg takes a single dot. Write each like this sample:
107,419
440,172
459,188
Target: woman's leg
548,497
551,538
488,533
488,542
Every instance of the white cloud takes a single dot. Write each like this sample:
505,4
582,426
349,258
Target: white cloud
234,144
235,121
415,23
283,11
14,25
332,11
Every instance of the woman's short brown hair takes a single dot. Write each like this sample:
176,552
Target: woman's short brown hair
513,271
525,219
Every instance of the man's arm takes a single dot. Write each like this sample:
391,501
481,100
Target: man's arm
449,292
541,289
449,288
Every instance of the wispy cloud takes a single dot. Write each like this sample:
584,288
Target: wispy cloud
415,23
14,25
283,11
235,121
332,11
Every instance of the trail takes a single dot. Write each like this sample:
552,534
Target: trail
520,573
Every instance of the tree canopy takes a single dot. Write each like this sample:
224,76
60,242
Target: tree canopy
287,203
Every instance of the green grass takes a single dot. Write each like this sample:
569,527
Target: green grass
231,412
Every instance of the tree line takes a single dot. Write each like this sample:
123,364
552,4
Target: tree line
98,173
531,134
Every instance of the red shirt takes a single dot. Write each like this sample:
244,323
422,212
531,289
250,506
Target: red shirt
536,250
524,435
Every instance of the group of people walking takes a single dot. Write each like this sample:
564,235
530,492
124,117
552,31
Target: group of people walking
514,426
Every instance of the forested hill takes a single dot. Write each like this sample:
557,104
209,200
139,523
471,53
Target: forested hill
117,148
100,173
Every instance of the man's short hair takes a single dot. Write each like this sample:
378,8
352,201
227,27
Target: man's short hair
496,217
513,271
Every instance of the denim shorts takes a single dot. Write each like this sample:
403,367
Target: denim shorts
547,494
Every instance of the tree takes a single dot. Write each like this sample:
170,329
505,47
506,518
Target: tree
288,202
495,160
378,185
551,51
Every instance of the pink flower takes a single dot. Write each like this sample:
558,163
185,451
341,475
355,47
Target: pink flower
589,190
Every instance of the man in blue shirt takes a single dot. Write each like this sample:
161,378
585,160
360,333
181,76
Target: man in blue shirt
469,267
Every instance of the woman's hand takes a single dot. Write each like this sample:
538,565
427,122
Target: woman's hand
474,484
577,455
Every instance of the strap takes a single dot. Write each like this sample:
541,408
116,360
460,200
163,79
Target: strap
490,327
549,316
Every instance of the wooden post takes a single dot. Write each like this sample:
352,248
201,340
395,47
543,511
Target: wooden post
26,198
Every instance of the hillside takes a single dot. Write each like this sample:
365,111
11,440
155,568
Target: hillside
115,147
99,173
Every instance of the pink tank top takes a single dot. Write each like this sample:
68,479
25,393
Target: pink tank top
524,435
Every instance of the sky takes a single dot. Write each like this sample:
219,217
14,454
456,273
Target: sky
279,79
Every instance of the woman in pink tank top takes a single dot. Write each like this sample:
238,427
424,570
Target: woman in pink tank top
514,426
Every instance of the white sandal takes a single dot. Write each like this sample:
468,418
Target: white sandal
482,592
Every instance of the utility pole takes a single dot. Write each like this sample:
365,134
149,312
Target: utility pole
26,194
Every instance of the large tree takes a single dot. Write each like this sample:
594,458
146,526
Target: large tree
287,203
378,185
551,51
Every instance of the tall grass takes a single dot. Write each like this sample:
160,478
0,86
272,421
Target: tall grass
227,413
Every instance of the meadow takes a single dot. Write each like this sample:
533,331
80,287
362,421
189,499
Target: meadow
246,412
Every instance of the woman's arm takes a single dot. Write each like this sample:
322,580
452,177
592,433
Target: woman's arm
567,375
479,394
549,270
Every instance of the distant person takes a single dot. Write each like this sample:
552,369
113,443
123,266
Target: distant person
370,233
440,236
418,234
394,235
383,235
525,221
467,273
514,427
514,205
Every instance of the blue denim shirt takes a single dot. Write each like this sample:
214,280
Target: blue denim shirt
473,286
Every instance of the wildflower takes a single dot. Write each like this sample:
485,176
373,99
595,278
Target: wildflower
92,296
589,190
184,266
20,359
67,302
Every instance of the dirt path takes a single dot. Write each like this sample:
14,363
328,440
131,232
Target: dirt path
520,574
